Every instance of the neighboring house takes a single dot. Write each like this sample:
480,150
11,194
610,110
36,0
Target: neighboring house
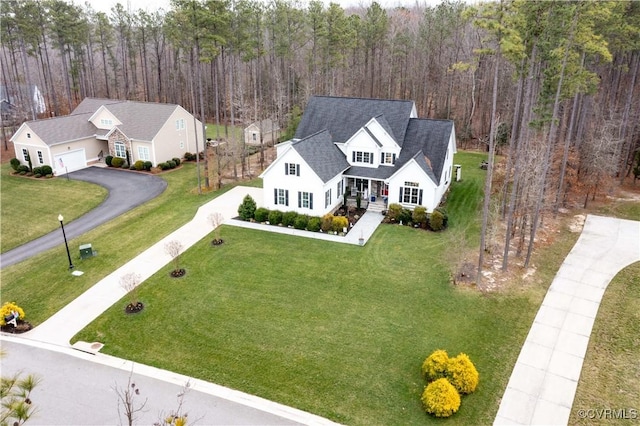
100,127
267,127
26,98
377,148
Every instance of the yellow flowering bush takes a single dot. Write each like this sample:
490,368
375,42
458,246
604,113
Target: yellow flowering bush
434,367
440,398
462,373
339,222
6,310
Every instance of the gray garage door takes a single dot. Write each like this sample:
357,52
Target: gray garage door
70,161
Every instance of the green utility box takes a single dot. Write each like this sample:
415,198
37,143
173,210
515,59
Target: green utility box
86,251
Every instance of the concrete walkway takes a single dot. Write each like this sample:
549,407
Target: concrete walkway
545,378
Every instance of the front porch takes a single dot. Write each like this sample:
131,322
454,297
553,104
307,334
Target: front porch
373,193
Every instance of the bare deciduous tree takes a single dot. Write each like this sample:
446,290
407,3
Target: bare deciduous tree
129,282
174,248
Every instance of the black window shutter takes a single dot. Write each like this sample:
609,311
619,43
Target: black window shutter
394,159
420,197
371,158
286,197
311,200
275,196
381,157
297,169
286,168
353,157
299,199
400,194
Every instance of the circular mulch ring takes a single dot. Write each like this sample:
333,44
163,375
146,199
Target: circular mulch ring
134,308
217,242
177,273
21,327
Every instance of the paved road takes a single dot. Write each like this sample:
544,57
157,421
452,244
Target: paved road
79,389
126,191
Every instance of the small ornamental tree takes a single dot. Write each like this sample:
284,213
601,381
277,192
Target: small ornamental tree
129,282
435,366
174,248
216,219
247,209
440,398
462,374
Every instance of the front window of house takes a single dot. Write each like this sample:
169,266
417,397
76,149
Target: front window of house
305,200
255,136
281,197
388,158
25,154
339,189
106,122
292,169
28,135
362,157
327,198
410,193
180,124
120,149
40,158
143,153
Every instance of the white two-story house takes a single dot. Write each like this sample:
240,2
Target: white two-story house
376,148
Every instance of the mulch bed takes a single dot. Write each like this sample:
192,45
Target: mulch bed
21,327
134,308
177,273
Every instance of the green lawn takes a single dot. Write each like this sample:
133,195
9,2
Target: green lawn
611,373
213,130
30,207
42,285
336,330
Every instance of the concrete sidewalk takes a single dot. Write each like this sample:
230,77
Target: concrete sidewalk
545,378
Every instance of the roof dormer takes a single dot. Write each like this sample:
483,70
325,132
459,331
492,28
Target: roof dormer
104,119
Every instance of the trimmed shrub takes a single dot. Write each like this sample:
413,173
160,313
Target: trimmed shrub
139,165
189,156
339,222
394,211
314,224
172,164
289,218
108,159
46,170
419,215
436,221
14,164
6,310
22,169
445,221
247,209
125,165
37,175
301,222
440,398
275,217
176,160
462,374
163,166
327,222
147,165
22,172
117,162
435,365
405,216
37,170
261,214
49,176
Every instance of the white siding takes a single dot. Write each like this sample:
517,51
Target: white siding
411,172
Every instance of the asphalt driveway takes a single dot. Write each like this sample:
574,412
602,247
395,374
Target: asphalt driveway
126,191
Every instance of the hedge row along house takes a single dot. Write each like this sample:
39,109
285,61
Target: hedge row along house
99,127
376,149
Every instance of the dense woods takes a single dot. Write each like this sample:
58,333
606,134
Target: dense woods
551,86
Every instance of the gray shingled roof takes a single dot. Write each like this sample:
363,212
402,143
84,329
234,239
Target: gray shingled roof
140,120
324,158
62,129
342,117
431,137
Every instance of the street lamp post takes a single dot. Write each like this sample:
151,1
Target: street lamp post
61,219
